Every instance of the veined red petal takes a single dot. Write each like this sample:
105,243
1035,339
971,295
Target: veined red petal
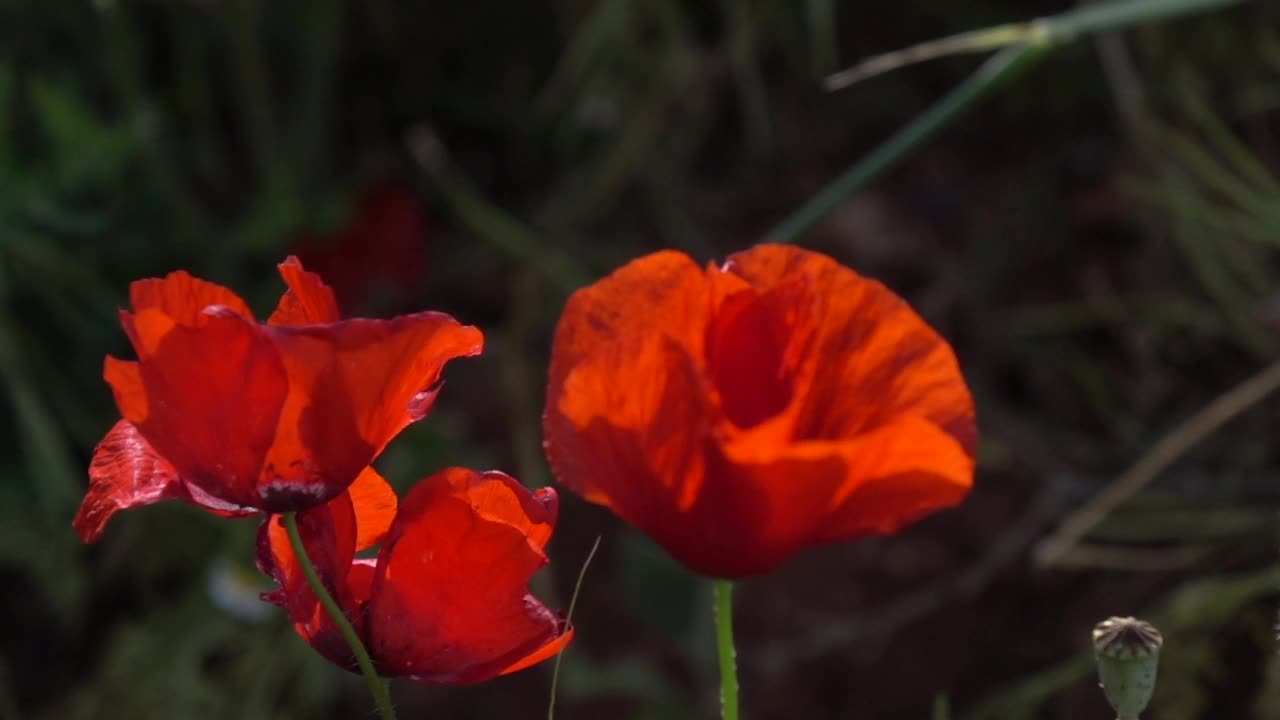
756,346
449,601
626,404
213,399
353,386
501,498
183,297
308,301
665,292
896,475
628,428
873,357
125,473
821,491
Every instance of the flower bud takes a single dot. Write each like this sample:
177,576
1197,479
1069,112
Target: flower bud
1127,650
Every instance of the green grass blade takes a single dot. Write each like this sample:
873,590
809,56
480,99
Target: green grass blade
997,70
573,602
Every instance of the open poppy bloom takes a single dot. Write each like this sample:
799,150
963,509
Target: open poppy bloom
740,413
239,416
446,601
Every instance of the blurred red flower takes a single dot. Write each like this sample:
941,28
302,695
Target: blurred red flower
236,415
446,601
379,257
742,413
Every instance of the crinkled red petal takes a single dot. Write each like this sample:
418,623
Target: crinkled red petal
125,473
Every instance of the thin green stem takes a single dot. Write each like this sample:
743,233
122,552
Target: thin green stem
992,74
573,603
377,686
728,658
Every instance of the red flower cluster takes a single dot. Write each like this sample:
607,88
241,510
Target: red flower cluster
238,417
740,413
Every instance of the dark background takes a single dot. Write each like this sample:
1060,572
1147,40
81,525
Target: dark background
1098,240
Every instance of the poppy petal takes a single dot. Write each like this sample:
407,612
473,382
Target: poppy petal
874,358
876,483
125,473
227,374
533,515
546,652
183,297
629,427
125,379
308,301
664,292
755,348
353,386
449,602
374,503
896,475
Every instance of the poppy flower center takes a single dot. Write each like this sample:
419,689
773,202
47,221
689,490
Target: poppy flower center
753,349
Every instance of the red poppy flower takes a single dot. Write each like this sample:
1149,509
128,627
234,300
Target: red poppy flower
446,600
237,416
742,413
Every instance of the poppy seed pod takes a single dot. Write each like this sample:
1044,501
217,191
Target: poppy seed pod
1127,650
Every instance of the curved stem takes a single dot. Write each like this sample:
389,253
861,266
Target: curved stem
377,686
728,659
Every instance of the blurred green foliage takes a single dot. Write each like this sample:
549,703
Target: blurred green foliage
1100,242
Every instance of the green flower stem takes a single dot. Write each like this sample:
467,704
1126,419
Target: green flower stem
724,641
377,686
